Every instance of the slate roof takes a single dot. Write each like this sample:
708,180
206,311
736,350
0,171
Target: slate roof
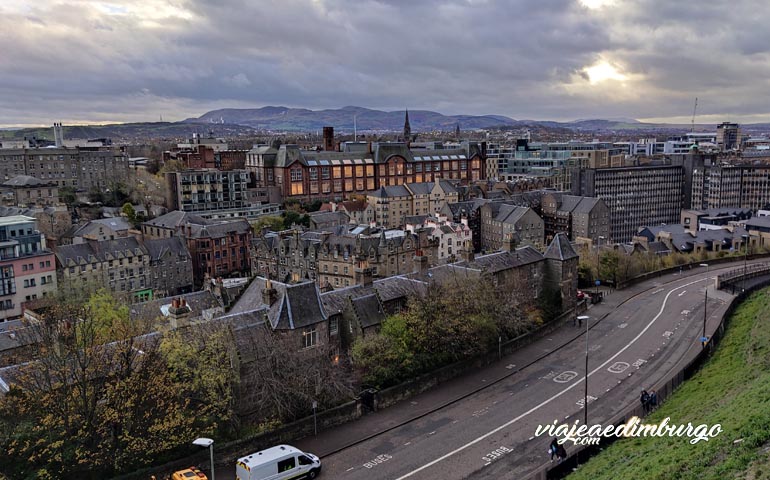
368,310
325,218
296,306
386,289
177,218
560,248
423,188
158,248
24,181
499,261
586,205
685,240
97,252
219,228
153,309
510,214
116,224
391,191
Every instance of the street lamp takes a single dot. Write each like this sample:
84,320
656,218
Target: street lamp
745,259
585,396
207,442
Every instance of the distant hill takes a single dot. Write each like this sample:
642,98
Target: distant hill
301,119
128,131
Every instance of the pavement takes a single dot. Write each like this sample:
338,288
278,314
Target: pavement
637,336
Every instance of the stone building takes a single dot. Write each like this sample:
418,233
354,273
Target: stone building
578,217
81,168
219,248
331,258
29,191
139,269
501,222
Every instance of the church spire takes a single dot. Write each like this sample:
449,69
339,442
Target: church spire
407,128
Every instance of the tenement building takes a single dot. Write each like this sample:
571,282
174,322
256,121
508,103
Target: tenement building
331,259
81,168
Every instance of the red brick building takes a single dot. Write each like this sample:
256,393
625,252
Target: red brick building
310,175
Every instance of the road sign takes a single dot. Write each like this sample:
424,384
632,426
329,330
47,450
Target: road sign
704,339
598,282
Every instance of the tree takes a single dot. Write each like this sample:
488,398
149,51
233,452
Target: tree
68,196
129,211
98,399
270,222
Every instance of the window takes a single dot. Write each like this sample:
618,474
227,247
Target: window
303,460
296,175
286,465
313,173
309,337
333,326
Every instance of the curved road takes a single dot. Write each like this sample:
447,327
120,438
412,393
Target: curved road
490,434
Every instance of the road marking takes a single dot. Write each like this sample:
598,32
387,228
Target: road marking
668,334
658,291
407,444
510,367
618,367
685,312
495,454
683,292
639,363
623,325
549,375
553,397
581,401
565,377
351,468
595,347
377,460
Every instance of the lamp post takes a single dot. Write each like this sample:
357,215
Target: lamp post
207,442
745,259
585,394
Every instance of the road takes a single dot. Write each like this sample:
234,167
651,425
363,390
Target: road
490,435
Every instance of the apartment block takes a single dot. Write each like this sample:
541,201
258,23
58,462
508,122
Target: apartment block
27,267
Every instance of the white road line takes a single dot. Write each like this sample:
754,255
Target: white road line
554,397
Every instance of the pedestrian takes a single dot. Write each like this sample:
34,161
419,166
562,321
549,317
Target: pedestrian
554,447
653,400
561,452
645,399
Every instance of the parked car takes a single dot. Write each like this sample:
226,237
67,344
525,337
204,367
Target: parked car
191,473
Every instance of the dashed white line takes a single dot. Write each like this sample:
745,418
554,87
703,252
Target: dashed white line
554,397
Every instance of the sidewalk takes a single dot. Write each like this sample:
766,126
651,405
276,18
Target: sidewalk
340,437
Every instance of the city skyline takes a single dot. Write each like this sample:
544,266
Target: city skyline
84,61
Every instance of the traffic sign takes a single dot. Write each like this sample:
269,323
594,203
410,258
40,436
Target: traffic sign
598,282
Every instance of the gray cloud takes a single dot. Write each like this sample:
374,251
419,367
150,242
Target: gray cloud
128,60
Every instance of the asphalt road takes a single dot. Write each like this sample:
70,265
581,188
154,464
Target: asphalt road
490,435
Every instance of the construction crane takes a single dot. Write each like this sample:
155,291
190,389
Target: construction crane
694,109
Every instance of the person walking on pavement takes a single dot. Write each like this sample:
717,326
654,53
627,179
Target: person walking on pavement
645,399
554,447
653,402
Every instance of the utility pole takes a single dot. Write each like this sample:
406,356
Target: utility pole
705,316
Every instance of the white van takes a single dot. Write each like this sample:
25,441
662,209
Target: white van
278,463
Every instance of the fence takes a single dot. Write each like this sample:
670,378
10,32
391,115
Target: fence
663,389
685,266
733,277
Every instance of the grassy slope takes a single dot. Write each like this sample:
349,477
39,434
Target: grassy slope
733,389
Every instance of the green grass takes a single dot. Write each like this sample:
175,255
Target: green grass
732,389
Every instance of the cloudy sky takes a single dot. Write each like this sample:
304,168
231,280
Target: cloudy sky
88,61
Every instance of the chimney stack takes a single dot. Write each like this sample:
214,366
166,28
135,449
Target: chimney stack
269,293
329,139
364,275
